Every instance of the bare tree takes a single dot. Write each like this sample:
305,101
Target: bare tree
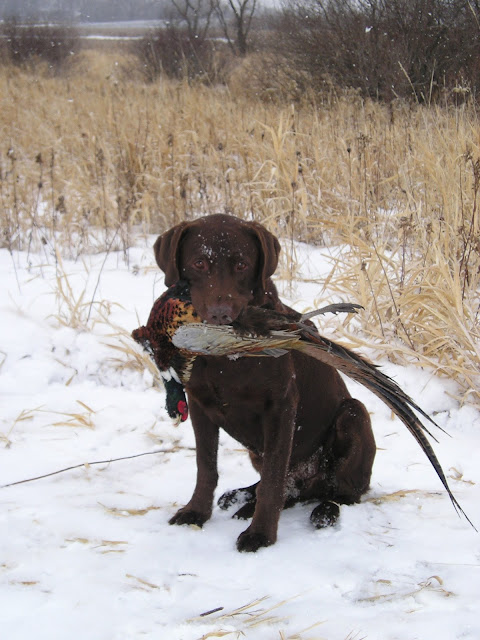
196,15
235,17
183,47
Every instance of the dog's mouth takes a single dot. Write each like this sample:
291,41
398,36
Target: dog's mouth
219,309
220,314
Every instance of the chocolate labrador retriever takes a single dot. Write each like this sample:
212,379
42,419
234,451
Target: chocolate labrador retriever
306,436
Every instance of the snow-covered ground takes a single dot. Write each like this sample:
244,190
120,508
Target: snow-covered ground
88,553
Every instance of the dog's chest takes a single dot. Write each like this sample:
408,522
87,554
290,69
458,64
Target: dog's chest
221,380
238,395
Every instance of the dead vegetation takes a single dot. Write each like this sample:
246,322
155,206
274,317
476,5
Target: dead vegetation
241,622
91,158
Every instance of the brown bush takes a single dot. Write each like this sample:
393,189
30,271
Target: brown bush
175,53
27,44
385,48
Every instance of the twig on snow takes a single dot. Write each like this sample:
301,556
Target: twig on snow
91,464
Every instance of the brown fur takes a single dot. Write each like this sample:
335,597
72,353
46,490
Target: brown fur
307,437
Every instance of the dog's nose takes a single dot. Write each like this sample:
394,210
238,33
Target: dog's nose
220,313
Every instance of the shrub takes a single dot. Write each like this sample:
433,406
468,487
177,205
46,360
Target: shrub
384,48
174,52
27,44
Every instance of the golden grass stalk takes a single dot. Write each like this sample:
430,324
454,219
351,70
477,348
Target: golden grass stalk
76,419
125,513
24,415
133,358
433,583
247,617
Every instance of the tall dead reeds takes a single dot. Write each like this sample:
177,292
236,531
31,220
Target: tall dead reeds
88,159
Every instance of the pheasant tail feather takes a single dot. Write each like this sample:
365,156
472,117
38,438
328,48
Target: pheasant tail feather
391,394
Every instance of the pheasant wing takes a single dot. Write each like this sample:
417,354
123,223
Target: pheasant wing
223,340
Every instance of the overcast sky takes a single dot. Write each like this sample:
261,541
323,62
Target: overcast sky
95,9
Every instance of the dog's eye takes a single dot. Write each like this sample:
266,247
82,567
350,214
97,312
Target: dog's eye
241,266
200,264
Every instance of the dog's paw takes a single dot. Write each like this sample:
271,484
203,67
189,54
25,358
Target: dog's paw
246,512
188,516
236,496
227,499
252,541
325,515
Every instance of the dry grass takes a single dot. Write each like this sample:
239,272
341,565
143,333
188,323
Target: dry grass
89,159
24,415
246,619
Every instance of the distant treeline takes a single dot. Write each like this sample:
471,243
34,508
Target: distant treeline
426,50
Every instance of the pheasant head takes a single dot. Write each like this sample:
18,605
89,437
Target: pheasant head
171,310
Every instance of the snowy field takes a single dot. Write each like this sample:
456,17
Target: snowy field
89,554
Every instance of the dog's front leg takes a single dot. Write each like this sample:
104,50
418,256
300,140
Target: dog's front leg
278,436
199,509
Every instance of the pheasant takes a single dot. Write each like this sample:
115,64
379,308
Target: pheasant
174,309
260,331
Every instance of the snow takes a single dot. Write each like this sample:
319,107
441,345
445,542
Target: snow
88,553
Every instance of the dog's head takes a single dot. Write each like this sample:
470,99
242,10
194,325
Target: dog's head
226,261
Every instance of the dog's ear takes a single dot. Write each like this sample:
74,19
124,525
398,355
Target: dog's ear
270,250
166,249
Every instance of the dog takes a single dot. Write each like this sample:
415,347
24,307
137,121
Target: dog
306,436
